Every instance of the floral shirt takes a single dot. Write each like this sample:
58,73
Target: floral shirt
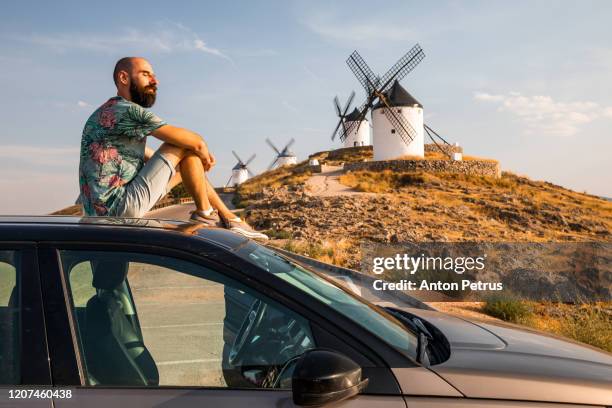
112,153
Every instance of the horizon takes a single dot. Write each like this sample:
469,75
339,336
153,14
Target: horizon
531,95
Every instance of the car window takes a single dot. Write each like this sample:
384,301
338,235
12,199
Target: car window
81,276
370,317
9,317
157,321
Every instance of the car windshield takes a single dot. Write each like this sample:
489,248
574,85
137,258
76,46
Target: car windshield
367,315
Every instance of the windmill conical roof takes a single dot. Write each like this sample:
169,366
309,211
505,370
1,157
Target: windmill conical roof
353,116
398,96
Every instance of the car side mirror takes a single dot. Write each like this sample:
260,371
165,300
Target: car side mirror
322,376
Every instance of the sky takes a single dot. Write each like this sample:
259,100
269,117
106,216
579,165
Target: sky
526,83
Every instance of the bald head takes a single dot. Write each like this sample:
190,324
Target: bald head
124,64
135,80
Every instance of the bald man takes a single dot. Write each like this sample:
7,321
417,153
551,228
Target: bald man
119,176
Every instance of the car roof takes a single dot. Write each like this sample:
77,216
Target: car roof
219,236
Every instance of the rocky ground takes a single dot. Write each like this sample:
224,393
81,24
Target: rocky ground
388,207
466,213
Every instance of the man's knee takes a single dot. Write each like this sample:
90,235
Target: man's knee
173,153
189,159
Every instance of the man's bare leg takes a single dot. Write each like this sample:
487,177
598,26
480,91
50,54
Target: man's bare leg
191,173
212,195
232,222
216,201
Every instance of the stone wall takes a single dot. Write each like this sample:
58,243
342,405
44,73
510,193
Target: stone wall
449,149
471,167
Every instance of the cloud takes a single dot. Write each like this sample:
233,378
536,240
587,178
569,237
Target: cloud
166,37
40,156
542,114
338,27
83,104
482,96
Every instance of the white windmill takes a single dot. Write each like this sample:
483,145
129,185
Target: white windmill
283,157
386,143
397,117
360,133
240,172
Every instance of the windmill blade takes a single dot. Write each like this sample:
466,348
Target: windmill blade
273,163
353,126
342,115
343,126
340,122
237,157
251,174
427,130
402,67
269,142
401,125
228,181
362,71
249,160
337,106
348,103
288,145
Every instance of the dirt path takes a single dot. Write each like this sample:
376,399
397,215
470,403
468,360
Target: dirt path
327,183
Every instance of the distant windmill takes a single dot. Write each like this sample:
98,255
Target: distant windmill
284,156
240,172
397,117
361,134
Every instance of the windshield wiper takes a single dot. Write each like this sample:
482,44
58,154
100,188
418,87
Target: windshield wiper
417,326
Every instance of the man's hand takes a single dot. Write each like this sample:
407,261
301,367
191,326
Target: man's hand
207,158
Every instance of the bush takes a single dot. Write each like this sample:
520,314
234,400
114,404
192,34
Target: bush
585,322
278,234
507,307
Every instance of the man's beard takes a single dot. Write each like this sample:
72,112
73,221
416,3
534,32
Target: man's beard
141,96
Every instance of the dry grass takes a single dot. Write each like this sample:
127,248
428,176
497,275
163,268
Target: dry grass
384,181
346,155
286,175
589,323
332,252
510,207
74,210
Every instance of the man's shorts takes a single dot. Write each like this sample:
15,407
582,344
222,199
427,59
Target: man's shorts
149,185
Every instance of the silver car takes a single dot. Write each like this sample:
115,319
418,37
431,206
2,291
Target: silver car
99,312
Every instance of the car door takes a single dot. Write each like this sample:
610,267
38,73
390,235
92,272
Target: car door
159,329
24,371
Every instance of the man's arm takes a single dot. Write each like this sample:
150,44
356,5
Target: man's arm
186,139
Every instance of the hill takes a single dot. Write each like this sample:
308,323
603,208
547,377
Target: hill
394,206
330,220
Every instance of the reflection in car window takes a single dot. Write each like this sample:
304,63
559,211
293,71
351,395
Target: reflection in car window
9,318
81,277
358,310
158,321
